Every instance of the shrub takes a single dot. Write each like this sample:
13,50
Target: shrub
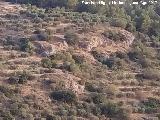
40,36
79,59
151,103
111,90
130,27
46,62
124,114
151,74
52,117
118,22
145,62
13,80
64,56
74,68
119,64
23,77
81,112
109,109
98,98
64,96
141,51
20,78
9,41
26,45
109,62
71,38
6,115
72,118
113,35
92,88
121,55
99,56
134,55
62,112
115,63
95,110
6,90
150,110
72,112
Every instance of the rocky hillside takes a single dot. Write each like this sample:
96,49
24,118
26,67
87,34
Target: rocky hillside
56,69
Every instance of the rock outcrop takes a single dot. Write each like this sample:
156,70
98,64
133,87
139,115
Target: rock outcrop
106,45
66,81
44,48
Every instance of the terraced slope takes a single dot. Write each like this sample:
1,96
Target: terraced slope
36,59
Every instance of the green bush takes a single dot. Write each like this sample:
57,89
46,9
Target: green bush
52,117
124,114
151,74
92,88
9,41
72,112
98,98
13,80
151,103
95,110
20,77
40,36
135,55
79,59
111,90
71,38
46,62
119,64
6,115
23,77
81,112
99,56
64,96
6,91
64,56
71,118
26,45
115,63
145,62
109,109
118,22
74,68
113,35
